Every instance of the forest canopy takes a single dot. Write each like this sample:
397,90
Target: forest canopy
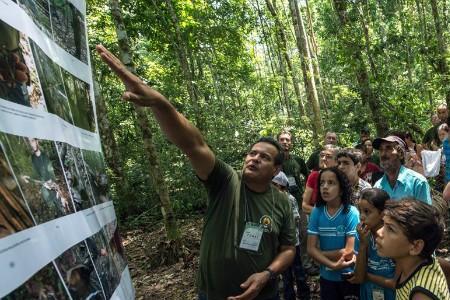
239,69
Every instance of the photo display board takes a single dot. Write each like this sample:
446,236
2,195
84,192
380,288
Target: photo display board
58,228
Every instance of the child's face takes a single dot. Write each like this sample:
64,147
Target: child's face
391,240
369,214
442,134
329,186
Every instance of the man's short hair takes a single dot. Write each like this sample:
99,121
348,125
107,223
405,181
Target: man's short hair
444,127
285,131
332,148
279,158
354,154
441,106
365,130
418,221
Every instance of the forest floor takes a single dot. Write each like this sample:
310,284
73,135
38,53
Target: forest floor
154,280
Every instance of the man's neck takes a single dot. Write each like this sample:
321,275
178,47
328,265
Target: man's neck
286,155
392,176
258,187
354,181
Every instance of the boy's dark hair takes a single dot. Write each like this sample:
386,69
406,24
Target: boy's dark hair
344,185
354,154
279,158
376,197
419,221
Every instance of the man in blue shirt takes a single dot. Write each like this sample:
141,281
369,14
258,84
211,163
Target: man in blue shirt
399,181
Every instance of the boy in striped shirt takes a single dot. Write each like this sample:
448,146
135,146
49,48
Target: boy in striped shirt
411,232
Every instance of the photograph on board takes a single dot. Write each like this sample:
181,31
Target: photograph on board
104,262
39,12
69,28
81,105
45,284
96,169
76,176
19,82
79,274
38,169
52,84
61,22
14,213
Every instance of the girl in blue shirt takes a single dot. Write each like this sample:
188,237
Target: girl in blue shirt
331,235
375,274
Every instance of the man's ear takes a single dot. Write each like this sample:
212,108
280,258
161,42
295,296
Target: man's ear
416,247
358,166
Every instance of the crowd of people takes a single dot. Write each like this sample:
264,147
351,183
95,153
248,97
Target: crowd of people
365,221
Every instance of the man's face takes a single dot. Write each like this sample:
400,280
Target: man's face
369,147
442,113
285,141
390,158
259,163
364,136
327,159
346,165
391,240
330,138
34,144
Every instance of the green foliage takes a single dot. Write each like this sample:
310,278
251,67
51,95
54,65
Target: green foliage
233,52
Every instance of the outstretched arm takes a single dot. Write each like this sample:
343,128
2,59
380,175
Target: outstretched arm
174,125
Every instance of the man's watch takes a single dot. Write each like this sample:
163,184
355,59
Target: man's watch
272,274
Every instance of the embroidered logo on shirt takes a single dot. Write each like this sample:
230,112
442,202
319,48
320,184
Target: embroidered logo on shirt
266,223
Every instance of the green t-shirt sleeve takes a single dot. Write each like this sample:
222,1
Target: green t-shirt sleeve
288,233
303,168
219,179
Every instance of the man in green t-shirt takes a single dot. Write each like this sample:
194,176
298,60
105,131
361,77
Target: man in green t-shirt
249,232
293,166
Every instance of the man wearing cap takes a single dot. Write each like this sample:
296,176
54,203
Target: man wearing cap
399,181
249,231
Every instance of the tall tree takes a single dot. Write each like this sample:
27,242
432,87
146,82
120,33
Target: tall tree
442,65
283,45
307,69
368,95
156,174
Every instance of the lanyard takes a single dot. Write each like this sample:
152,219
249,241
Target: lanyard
246,209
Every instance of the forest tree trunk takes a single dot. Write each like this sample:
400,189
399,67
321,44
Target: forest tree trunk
156,174
307,69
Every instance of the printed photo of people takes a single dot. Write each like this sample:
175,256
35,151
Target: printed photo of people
39,11
18,75
52,84
45,284
76,176
104,262
78,272
14,213
115,242
96,169
38,169
80,101
68,28
62,22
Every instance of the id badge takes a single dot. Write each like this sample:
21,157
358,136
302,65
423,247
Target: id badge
291,181
251,238
377,294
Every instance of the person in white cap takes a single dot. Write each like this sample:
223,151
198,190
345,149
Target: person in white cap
398,181
296,270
